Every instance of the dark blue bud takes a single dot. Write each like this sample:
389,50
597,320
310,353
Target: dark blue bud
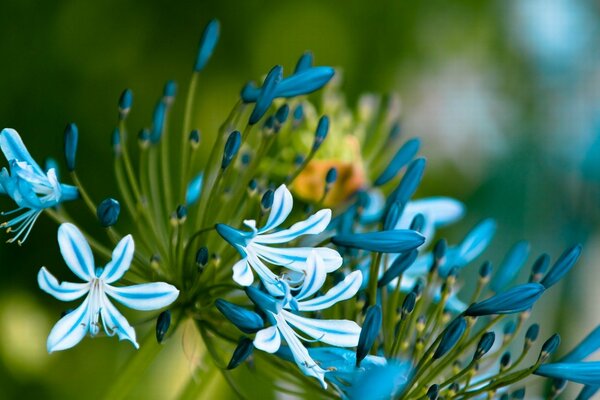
169,91
282,114
125,102
402,157
115,141
485,344
263,300
245,320
298,159
505,360
208,42
369,332
249,92
450,337
563,265
585,373
394,241
321,133
243,350
269,124
267,94
304,63
246,158
266,202
409,183
549,347
539,268
108,212
331,176
399,265
518,394
417,223
532,334
252,185
71,138
510,266
158,121
162,325
393,215
194,138
408,305
298,113
433,392
509,328
144,137
231,148
181,213
439,250
485,270
517,299
202,256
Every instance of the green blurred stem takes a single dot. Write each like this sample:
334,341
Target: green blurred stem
373,274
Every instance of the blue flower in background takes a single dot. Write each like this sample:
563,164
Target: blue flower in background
255,245
73,327
281,314
28,185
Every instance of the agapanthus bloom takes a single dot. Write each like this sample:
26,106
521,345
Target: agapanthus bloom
32,188
97,287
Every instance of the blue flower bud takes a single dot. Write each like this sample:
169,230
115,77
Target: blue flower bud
158,122
266,202
331,176
539,268
282,114
144,138
208,42
108,212
125,102
115,141
563,265
321,133
485,344
433,392
71,138
304,62
531,335
549,347
231,148
162,325
402,157
518,394
517,299
394,241
369,332
409,183
263,300
202,256
585,373
399,265
252,186
305,82
408,305
194,189
266,95
169,91
450,337
245,320
485,270
393,215
194,138
246,158
298,113
587,392
504,360
509,330
243,350
181,213
510,266
417,223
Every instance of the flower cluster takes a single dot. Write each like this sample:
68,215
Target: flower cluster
363,297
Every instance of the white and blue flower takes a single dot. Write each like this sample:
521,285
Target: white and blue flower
255,246
28,185
97,286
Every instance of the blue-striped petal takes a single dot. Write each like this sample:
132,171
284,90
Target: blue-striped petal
344,290
121,260
242,274
314,278
281,208
64,291
295,258
314,224
115,323
70,329
145,296
586,373
76,251
268,339
337,332
14,149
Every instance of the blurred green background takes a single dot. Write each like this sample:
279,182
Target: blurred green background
505,95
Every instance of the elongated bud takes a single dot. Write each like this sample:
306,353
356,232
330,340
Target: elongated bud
321,132
269,125
169,92
330,178
399,265
115,141
433,392
125,102
252,187
298,114
563,265
266,202
245,320
282,114
485,271
208,42
409,183
202,257
144,138
393,215
402,157
194,139
162,325
531,336
417,223
539,268
505,360
266,95
108,212
71,138
509,331
439,254
304,62
510,266
485,344
519,298
450,337
408,305
549,347
243,350
369,332
394,241
232,147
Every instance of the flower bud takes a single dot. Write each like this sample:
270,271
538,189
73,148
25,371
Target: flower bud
245,320
231,148
243,350
71,138
208,42
125,102
485,344
162,325
369,332
321,132
108,212
450,337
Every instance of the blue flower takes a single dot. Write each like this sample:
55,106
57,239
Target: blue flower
255,245
517,299
282,315
28,185
96,306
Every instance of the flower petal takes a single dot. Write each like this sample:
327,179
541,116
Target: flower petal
281,208
64,291
70,329
120,261
145,296
14,149
268,339
315,276
314,224
295,258
337,332
114,322
344,290
242,274
76,251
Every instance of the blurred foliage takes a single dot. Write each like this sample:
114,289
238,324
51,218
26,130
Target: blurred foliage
505,127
